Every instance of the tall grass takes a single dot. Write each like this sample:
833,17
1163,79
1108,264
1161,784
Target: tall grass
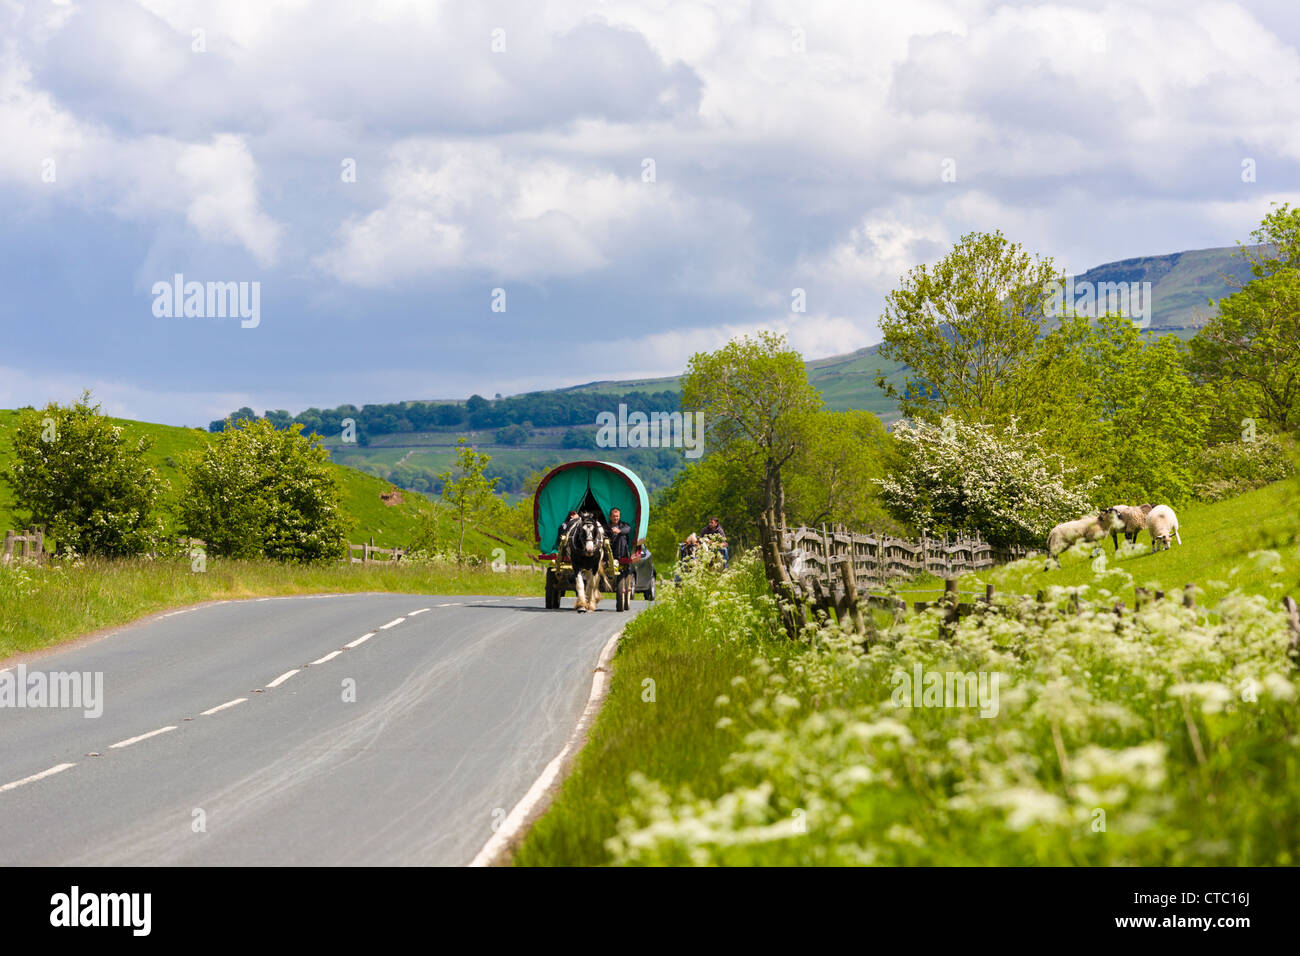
1167,737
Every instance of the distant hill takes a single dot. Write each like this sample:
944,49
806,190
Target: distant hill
410,443
1182,285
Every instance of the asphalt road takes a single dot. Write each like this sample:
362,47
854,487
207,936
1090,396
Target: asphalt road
403,749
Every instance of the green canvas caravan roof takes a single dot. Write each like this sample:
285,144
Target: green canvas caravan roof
602,483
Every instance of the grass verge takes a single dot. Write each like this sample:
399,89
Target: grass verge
1167,737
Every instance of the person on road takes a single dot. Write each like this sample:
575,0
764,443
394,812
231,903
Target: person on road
717,538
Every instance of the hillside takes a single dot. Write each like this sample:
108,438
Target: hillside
410,443
391,526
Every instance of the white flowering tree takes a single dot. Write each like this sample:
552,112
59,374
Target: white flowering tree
956,476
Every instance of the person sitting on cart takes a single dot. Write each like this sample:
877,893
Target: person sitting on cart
618,531
714,530
564,529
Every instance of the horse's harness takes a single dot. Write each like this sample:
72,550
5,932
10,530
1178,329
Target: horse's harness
602,543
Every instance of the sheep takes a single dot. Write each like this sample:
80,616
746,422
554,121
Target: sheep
1161,524
1088,528
1134,519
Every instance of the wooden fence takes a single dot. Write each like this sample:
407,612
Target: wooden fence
32,546
881,560
370,553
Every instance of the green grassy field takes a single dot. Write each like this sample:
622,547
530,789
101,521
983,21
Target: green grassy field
1219,540
46,605
389,525
1167,738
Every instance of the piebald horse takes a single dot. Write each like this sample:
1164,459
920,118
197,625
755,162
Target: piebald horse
584,549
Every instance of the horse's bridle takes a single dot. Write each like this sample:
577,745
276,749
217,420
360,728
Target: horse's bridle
584,519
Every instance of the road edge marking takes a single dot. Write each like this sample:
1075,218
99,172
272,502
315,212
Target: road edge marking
535,801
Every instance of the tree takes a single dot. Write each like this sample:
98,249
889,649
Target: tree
256,491
1118,406
578,438
832,479
715,485
1250,351
757,406
80,477
966,328
513,435
958,477
467,490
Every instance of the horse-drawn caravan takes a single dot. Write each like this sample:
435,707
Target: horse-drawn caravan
582,559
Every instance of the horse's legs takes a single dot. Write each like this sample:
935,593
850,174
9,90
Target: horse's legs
580,602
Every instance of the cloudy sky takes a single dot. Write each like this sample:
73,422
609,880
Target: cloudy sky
642,179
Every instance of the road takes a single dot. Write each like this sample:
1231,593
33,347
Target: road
402,749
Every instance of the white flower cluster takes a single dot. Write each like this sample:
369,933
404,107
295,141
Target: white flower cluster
1165,736
974,477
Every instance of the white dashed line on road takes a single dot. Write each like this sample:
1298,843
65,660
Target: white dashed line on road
360,640
135,740
220,707
282,678
392,623
36,776
328,657
420,611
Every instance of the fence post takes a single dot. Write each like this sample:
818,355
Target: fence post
9,547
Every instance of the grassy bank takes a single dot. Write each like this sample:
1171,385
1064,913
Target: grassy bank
1167,738
1247,543
45,605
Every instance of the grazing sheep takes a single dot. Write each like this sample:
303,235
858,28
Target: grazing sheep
1134,519
1161,524
1088,528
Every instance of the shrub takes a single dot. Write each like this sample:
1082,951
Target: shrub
958,477
84,481
1227,470
258,491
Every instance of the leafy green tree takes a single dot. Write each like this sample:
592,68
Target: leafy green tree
758,406
1118,407
832,480
80,477
257,491
966,329
1249,353
467,490
513,435
715,485
958,477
